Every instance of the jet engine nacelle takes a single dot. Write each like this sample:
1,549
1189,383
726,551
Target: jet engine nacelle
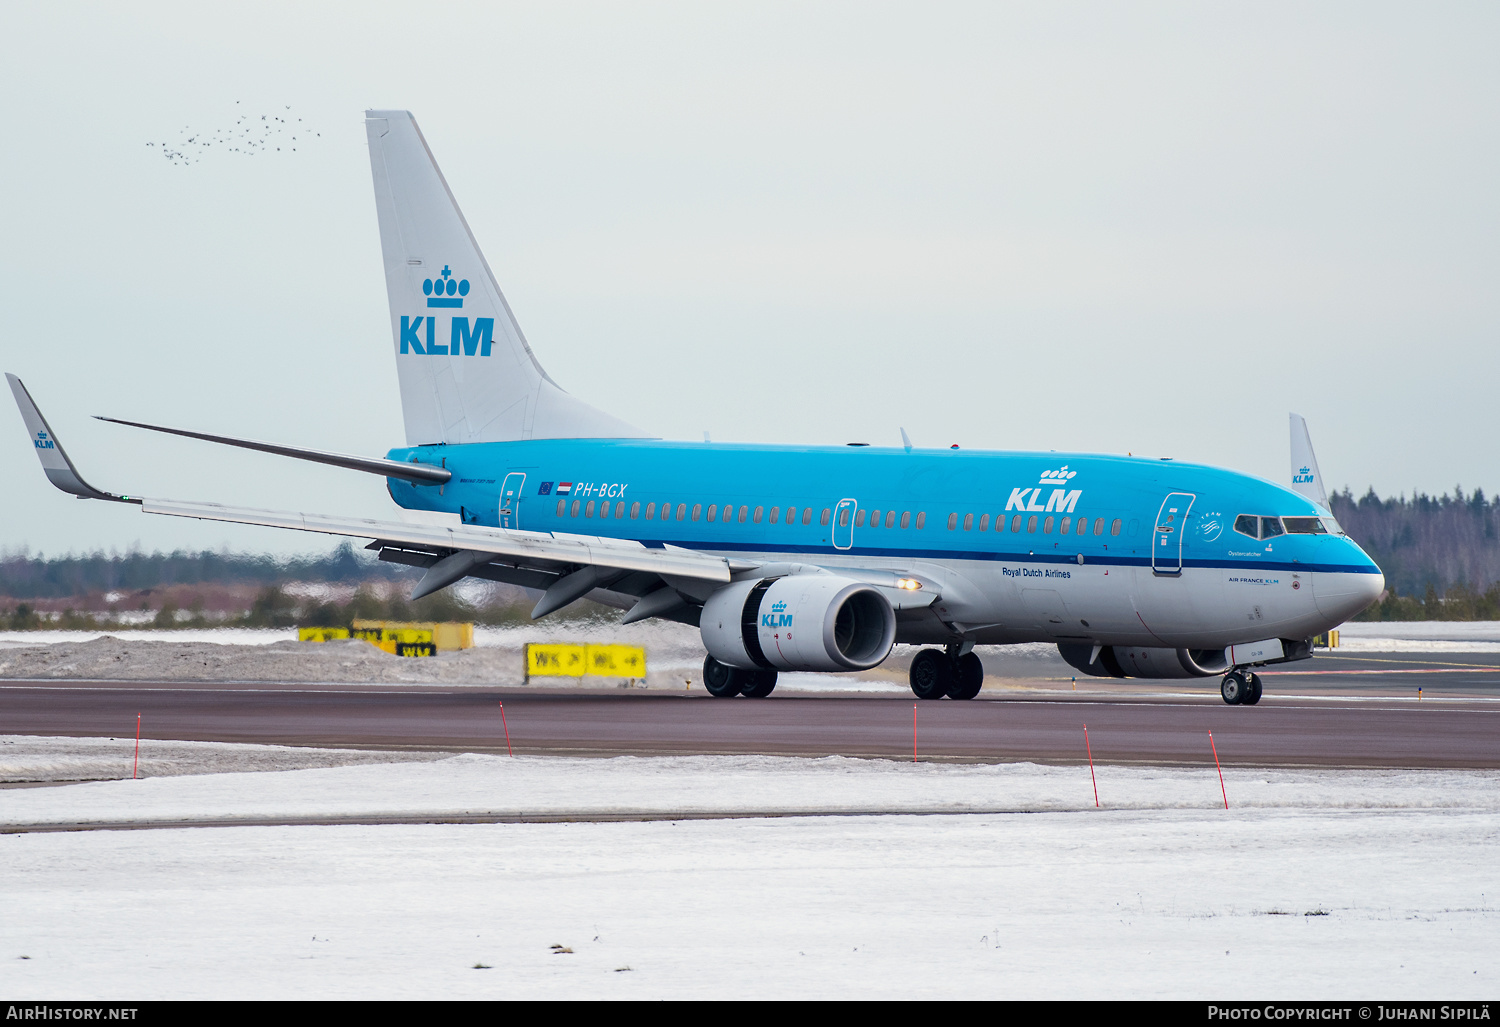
798,622
1120,661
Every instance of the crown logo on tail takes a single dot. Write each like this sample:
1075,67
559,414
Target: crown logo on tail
445,291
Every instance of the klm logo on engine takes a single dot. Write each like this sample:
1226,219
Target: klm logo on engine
1062,500
465,337
42,442
777,618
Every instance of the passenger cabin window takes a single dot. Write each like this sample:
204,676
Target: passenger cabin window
1114,527
890,518
984,522
905,518
573,512
807,515
744,512
1304,526
1083,525
697,510
1031,524
1047,526
588,511
1099,526
844,517
952,521
968,522
921,519
859,519
1015,524
775,514
650,511
827,513
562,507
635,511
682,511
1067,522
760,512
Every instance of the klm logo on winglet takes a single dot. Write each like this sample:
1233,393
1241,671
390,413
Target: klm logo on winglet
42,442
444,291
1303,477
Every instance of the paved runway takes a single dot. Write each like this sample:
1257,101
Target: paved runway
1309,717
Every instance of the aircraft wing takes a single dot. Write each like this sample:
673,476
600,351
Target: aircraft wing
620,572
542,547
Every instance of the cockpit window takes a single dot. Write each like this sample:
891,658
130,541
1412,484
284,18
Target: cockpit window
1245,524
1270,527
1304,525
1333,526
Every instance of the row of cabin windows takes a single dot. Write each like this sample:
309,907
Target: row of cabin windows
603,509
682,513
862,518
1067,526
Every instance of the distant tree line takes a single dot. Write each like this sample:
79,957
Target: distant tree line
26,577
1440,554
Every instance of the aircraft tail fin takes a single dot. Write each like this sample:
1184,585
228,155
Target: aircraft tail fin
1306,478
466,372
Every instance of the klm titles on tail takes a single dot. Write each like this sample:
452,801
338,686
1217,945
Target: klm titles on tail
463,339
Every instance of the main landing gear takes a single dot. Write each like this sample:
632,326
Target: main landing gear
1240,688
726,682
936,673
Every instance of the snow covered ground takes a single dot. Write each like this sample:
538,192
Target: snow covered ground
1312,883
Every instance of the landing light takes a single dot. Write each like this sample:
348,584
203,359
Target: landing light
908,583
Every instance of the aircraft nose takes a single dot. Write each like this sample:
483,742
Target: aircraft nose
1343,594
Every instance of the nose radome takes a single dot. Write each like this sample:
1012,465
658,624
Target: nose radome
1343,595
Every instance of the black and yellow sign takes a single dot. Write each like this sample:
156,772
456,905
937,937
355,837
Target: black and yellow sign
570,660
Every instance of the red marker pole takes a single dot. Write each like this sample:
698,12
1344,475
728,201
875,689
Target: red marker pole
506,725
1220,769
1091,764
136,766
914,732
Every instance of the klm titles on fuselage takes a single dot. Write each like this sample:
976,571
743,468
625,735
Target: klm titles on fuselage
1034,572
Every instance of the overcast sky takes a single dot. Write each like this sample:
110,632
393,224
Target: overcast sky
1153,228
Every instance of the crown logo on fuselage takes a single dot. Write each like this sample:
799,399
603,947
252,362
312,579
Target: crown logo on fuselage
1058,476
444,291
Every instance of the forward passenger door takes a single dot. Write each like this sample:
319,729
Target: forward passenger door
1170,533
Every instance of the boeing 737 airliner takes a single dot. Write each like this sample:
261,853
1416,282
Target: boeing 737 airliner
811,558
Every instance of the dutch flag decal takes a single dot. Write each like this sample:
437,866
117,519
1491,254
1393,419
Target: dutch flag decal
564,487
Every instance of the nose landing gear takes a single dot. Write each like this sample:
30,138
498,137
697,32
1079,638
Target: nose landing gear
1240,688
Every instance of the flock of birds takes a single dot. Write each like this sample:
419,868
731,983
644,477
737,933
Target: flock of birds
248,136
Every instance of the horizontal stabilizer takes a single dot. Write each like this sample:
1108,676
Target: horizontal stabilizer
626,556
55,463
422,474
